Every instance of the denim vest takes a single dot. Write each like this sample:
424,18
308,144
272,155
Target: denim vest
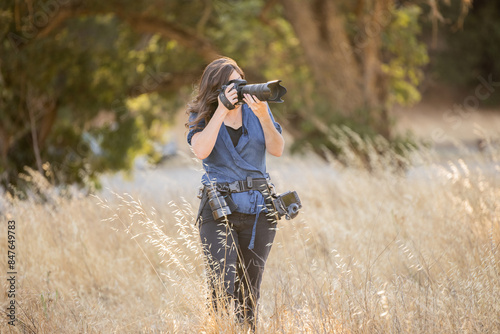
227,163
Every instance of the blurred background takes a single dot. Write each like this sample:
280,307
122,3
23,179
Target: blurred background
93,87
392,130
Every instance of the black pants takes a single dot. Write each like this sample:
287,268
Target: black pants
235,272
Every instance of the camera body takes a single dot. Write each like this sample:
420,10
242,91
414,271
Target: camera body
287,204
270,91
218,204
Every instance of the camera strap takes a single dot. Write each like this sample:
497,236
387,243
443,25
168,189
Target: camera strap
204,200
225,101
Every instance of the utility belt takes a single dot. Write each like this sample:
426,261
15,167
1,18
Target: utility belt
260,184
218,195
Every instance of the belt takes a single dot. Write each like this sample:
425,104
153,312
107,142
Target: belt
239,186
243,185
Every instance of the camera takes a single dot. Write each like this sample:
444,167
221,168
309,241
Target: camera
287,204
270,91
218,204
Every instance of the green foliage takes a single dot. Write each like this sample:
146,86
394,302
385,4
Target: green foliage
406,55
90,67
96,67
403,57
100,87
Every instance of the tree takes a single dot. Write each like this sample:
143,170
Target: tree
365,56
66,87
84,83
350,47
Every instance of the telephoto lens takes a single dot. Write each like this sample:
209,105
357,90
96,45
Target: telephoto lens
218,204
270,91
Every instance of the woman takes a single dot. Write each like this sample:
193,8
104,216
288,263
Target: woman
232,144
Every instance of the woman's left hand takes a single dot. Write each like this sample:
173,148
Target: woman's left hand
258,107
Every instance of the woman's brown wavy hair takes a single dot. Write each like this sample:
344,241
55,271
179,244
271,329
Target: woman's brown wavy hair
215,75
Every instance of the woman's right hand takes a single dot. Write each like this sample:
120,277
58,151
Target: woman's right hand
231,96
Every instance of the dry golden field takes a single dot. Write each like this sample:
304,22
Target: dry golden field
371,252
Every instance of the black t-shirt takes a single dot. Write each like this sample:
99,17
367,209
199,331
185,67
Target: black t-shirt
235,134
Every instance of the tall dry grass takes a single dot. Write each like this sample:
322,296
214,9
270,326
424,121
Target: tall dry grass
371,252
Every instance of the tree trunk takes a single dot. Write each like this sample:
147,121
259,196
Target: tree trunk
321,32
375,83
347,72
